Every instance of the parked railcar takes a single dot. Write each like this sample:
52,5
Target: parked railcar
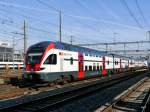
11,65
52,61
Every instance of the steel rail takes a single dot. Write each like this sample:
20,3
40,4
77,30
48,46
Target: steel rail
49,102
140,84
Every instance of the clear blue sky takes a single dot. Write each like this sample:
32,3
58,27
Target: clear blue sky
89,21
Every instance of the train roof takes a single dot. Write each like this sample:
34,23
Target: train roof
84,50
38,47
76,48
87,51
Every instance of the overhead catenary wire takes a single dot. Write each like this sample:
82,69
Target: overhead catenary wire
34,29
77,17
24,16
30,17
83,5
81,18
25,7
90,12
18,25
141,12
131,13
48,6
92,19
41,30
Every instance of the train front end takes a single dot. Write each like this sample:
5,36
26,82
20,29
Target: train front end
33,61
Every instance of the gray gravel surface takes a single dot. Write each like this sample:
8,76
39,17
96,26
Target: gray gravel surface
93,101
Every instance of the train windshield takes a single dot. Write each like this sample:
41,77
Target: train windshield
34,58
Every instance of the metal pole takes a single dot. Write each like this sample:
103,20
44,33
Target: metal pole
25,38
60,26
124,49
106,48
149,36
71,39
5,54
13,51
113,64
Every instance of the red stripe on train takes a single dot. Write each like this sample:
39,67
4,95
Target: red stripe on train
50,46
81,73
103,69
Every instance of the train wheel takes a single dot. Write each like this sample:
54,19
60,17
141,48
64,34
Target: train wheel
70,79
52,84
67,79
60,80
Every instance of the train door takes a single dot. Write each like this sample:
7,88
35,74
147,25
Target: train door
61,64
103,66
52,62
81,73
120,65
128,64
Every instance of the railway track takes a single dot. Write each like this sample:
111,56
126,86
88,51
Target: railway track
27,88
135,99
53,101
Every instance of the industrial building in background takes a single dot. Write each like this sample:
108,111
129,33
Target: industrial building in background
9,58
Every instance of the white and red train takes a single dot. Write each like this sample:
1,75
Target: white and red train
51,61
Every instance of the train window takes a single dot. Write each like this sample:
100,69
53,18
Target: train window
107,62
86,68
94,68
35,59
90,68
52,59
100,67
86,54
97,67
71,61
